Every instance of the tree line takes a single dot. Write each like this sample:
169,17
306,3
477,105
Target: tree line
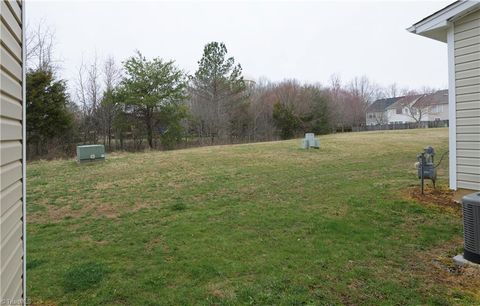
151,103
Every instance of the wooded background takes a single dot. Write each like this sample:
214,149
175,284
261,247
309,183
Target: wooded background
144,103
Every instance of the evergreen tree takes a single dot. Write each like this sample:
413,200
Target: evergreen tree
151,87
219,91
48,116
285,120
318,119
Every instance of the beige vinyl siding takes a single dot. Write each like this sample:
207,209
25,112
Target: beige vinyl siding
11,167
467,91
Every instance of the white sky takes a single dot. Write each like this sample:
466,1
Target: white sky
306,40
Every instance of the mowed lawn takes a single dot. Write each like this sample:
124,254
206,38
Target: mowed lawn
257,224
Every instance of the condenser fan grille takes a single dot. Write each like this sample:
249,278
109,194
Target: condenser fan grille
471,222
471,226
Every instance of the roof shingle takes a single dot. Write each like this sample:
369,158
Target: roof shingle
381,104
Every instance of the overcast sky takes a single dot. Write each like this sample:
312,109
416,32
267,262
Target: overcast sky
306,40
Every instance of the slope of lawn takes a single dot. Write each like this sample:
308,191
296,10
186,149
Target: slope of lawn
260,224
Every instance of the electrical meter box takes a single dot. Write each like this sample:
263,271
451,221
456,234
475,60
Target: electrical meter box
90,153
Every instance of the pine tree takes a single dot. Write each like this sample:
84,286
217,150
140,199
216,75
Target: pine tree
48,116
218,91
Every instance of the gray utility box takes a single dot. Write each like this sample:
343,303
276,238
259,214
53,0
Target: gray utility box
310,142
90,153
471,227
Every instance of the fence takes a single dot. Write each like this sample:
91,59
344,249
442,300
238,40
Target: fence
402,126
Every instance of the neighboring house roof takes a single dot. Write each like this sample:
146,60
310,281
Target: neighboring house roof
435,25
437,98
419,101
404,101
381,105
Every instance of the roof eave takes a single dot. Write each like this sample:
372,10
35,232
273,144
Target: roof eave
436,25
438,32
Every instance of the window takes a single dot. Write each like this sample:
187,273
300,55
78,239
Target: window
437,108
399,111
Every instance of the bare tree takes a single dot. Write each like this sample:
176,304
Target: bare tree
81,95
392,91
348,104
363,88
411,106
335,84
88,92
80,88
427,90
94,83
422,107
381,117
40,48
112,73
352,109
261,109
288,93
336,107
109,105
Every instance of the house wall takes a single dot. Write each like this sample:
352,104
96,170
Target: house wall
11,153
393,117
434,112
374,118
467,93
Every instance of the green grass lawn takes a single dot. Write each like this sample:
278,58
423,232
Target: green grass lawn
259,224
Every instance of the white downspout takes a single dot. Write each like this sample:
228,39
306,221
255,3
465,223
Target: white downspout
452,109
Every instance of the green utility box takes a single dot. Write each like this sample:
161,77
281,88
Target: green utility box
90,153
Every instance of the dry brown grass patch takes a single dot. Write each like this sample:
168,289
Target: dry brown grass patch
158,241
54,214
440,196
221,290
437,266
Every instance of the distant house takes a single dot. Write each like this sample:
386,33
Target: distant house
434,107
376,112
402,110
419,108
408,109
458,25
